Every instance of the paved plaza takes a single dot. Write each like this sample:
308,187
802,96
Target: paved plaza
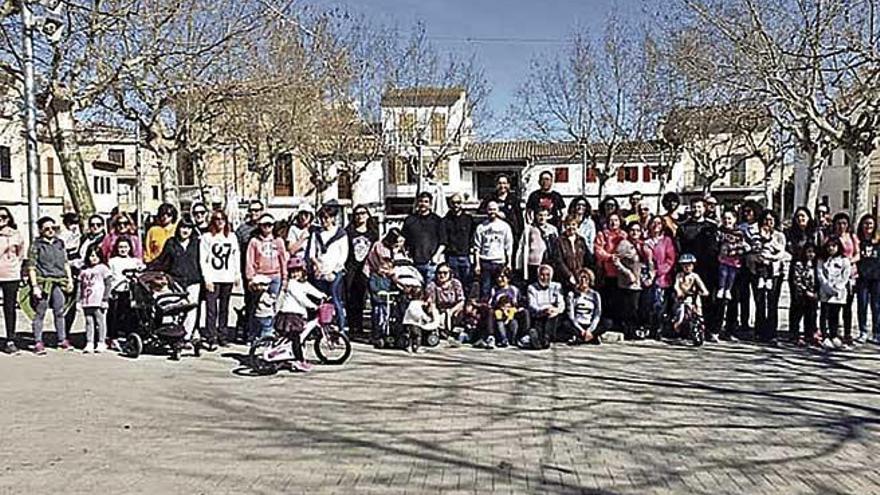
642,417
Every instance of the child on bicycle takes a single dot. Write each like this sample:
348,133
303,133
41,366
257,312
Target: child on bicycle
293,308
689,288
264,307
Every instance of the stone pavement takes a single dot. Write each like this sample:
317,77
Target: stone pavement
641,417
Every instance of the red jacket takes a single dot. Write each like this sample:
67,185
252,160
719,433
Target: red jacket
606,246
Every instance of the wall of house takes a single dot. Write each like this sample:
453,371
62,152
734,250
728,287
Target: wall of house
835,185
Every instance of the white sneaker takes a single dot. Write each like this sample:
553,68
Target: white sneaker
490,343
719,294
100,347
827,344
87,349
728,295
838,344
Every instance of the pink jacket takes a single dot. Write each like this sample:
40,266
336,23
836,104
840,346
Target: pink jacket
664,261
109,243
606,246
266,256
11,254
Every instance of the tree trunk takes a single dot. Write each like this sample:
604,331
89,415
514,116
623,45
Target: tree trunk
861,186
63,130
768,190
602,178
165,150
815,167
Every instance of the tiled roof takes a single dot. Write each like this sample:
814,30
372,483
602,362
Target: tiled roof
423,96
687,122
515,151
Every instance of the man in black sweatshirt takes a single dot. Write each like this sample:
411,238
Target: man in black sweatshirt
699,237
425,237
459,227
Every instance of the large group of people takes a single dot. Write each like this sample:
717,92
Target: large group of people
503,276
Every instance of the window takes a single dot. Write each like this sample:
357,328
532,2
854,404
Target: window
100,185
845,200
592,175
560,175
407,126
284,175
5,163
186,173
438,128
117,157
628,174
50,179
647,176
738,172
441,172
156,193
343,185
825,200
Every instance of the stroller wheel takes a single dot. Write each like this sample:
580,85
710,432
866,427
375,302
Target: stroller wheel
432,339
389,342
197,347
175,353
403,341
134,345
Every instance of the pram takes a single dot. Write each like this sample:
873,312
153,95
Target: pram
160,305
392,333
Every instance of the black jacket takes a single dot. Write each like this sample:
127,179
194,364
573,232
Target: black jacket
423,234
459,233
179,263
700,238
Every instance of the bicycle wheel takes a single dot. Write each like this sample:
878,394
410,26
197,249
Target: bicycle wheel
332,346
258,364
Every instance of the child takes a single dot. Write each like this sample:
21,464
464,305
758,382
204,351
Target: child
733,245
118,312
382,284
504,320
470,322
688,285
264,309
503,289
804,296
293,308
94,282
834,275
421,315
584,309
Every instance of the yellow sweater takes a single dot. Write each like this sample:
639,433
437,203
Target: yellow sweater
156,237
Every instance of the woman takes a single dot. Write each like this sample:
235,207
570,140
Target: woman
447,294
180,260
739,311
607,242
803,231
388,249
770,244
160,232
868,282
362,233
267,255
635,271
584,310
220,261
540,244
660,296
121,226
11,255
327,253
583,211
571,253
608,207
841,228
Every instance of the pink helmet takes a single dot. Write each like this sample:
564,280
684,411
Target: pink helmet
296,263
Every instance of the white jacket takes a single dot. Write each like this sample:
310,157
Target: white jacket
220,258
299,298
834,278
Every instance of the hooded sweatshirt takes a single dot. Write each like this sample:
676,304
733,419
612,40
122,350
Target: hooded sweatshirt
266,256
11,254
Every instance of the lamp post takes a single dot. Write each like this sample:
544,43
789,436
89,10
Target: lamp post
30,113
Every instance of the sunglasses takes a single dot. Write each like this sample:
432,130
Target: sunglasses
266,224
256,210
218,219
50,228
443,272
96,224
200,213
4,217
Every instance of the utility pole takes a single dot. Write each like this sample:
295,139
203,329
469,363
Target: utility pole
33,178
139,173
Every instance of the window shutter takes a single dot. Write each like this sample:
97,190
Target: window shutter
646,174
621,174
442,171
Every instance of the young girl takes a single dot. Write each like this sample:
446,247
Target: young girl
119,314
94,280
804,289
293,308
834,274
732,245
504,322
264,307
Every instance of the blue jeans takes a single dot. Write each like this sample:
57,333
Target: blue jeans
427,270
336,290
868,292
261,326
379,317
726,276
54,298
461,267
488,270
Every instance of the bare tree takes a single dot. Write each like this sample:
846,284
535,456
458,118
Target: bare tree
815,60
598,93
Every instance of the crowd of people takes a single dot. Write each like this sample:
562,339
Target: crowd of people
504,276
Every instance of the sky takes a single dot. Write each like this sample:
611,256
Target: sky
505,35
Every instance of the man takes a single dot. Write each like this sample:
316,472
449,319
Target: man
493,243
546,303
508,208
699,236
823,220
711,209
244,233
166,224
459,227
199,214
50,278
635,204
546,198
424,237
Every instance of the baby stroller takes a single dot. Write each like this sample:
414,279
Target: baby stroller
160,306
393,334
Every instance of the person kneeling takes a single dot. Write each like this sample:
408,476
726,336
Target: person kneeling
546,303
584,310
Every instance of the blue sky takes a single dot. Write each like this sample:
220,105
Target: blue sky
508,33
